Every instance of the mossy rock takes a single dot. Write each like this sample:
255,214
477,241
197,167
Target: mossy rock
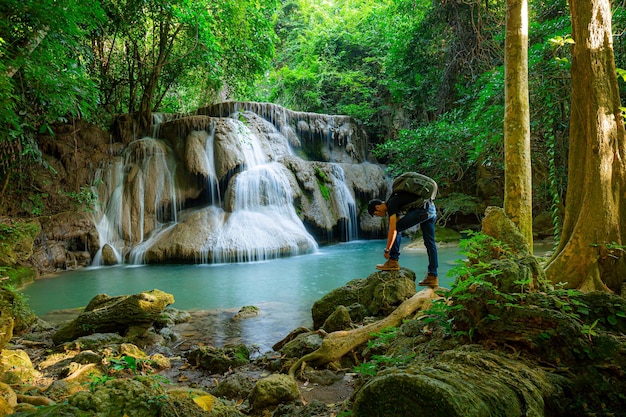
16,241
219,360
105,314
464,382
14,308
57,410
118,397
379,294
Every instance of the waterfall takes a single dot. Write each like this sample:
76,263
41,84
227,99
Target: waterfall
213,183
263,223
137,196
345,206
108,189
241,182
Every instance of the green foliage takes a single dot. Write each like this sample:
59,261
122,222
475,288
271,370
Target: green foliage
330,58
98,380
382,339
84,200
177,55
457,203
451,147
80,59
378,362
16,304
125,363
43,76
322,182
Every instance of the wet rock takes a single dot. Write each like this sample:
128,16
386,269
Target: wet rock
109,257
246,312
64,242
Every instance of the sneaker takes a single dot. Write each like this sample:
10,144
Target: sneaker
390,265
430,280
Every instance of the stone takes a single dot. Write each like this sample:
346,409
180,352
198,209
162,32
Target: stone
273,390
379,294
338,320
105,314
219,360
109,256
16,367
463,382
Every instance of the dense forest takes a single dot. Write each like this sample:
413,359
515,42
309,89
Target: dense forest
424,78
457,89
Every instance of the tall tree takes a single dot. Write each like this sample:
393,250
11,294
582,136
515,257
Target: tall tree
517,166
43,76
590,254
150,49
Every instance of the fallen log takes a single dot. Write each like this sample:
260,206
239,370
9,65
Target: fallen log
336,344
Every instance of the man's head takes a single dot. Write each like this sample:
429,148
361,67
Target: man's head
377,207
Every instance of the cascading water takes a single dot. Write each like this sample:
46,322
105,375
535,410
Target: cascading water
229,189
263,223
346,207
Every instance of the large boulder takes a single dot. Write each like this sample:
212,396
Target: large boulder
377,295
105,314
273,390
464,382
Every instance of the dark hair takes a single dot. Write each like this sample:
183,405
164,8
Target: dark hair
371,206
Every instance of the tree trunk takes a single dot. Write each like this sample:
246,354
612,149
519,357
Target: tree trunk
590,256
517,177
337,344
166,41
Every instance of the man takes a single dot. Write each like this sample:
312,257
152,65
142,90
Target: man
423,213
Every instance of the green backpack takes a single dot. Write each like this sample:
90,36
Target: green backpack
424,188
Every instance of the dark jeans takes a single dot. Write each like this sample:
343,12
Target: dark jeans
426,218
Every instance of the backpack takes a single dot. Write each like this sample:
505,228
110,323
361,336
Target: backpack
423,187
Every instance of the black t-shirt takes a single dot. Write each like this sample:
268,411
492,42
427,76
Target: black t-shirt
397,201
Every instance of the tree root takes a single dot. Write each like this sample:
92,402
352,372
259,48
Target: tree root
336,344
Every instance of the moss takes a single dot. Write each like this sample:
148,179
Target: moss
17,275
219,360
15,304
322,182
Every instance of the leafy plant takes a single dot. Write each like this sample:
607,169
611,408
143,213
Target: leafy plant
588,330
125,363
85,199
98,380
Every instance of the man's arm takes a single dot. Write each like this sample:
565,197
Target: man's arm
391,234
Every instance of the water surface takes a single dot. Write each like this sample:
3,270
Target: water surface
284,289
